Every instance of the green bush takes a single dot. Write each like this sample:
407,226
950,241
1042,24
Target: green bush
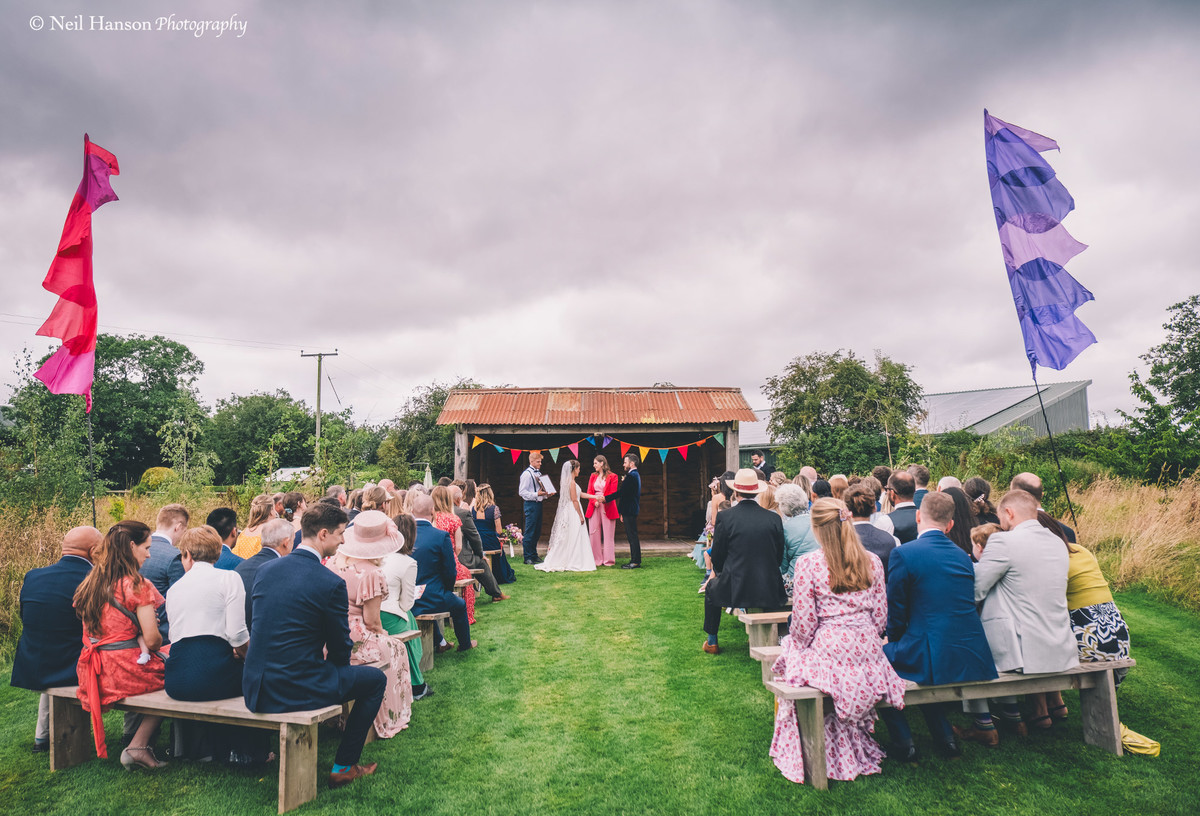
155,480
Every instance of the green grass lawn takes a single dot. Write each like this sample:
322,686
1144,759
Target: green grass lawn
589,694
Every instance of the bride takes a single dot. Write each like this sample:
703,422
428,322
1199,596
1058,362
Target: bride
570,547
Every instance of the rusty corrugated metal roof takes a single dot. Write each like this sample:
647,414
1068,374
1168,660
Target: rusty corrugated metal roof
594,406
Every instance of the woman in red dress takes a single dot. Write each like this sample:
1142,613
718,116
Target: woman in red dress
117,606
444,519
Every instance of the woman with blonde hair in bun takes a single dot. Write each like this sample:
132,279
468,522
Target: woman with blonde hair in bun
839,612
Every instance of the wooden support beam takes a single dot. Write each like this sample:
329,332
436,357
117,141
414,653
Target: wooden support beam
461,447
733,456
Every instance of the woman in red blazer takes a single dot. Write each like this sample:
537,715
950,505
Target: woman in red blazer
602,492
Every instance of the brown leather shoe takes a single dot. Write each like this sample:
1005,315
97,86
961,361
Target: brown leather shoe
501,597
474,643
336,780
445,647
711,648
989,737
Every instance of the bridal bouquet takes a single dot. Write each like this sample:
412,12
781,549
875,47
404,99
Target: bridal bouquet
511,536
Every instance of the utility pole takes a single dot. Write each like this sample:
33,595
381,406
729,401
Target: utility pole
320,358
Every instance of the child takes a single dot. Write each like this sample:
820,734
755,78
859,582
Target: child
980,536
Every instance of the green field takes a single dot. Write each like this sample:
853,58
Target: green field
589,694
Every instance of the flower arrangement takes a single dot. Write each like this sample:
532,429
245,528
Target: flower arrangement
511,536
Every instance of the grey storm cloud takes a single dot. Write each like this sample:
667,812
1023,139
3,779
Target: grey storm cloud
598,193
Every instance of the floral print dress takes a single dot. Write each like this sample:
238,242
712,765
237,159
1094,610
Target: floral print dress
450,523
834,645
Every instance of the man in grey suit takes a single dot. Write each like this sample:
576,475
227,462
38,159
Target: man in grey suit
168,527
1021,579
471,555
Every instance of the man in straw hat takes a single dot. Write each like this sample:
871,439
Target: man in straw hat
747,550
299,656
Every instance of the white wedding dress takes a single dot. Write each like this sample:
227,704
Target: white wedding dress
570,547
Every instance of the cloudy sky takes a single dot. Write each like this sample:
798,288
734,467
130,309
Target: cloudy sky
595,193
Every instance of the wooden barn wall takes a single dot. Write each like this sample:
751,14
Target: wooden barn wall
684,482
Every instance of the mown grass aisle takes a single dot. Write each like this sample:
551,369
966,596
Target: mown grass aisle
589,694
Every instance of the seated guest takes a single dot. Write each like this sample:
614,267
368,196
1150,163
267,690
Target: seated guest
117,606
172,521
934,633
839,610
920,475
947,482
445,519
486,516
276,539
358,562
48,650
904,511
1031,483
437,571
880,519
354,503
338,493
471,554
294,505
978,490
964,518
882,474
821,489
860,501
837,485
299,658
798,538
249,541
777,478
1021,578
395,612
224,521
747,550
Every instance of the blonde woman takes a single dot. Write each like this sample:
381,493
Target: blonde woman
766,499
444,519
839,612
249,541
487,520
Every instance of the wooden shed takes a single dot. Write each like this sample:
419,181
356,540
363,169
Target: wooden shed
684,436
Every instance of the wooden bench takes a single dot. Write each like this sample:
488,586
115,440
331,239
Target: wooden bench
766,655
762,628
460,586
1094,681
475,573
426,627
71,733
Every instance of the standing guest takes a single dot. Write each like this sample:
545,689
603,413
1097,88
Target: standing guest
978,491
224,521
358,562
48,650
964,518
486,516
798,538
904,510
1021,578
747,550
839,611
471,554
276,537
860,501
716,495
395,612
117,606
437,571
837,485
758,460
262,510
934,633
920,475
299,659
629,505
169,526
1031,483
602,513
445,519
533,495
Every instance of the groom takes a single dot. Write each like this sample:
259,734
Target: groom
531,491
629,497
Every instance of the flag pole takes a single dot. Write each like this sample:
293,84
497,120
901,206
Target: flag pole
91,467
1050,434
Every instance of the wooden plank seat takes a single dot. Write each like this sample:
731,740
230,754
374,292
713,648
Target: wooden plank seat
71,733
1094,681
426,627
766,655
762,628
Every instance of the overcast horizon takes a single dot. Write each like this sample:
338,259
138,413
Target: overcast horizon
596,193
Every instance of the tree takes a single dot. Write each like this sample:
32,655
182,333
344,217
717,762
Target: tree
180,436
833,412
244,428
415,436
1175,363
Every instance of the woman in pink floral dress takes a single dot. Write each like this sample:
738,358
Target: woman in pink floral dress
839,612
372,536
444,519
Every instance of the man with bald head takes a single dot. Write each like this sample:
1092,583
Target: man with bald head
51,634
1031,483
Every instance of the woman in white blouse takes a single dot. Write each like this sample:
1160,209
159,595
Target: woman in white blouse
395,612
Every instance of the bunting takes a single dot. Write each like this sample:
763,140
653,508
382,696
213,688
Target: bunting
574,449
625,446
607,441
516,454
476,442
643,452
554,454
683,452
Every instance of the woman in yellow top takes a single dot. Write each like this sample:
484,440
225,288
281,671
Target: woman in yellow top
249,542
1099,628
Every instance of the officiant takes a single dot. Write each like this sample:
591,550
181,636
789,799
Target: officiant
533,493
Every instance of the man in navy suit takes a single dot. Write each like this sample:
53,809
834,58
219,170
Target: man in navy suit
629,504
920,475
434,554
934,633
900,488
51,634
299,655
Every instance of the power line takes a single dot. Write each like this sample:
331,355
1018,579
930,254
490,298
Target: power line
204,338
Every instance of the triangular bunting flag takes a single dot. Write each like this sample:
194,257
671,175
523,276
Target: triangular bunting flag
625,446
476,443
682,451
607,441
574,449
554,454
516,454
643,452
720,438
498,449
662,454
701,442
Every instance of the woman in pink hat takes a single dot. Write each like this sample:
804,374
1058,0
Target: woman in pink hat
357,562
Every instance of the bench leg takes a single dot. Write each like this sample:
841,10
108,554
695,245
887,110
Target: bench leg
70,734
427,646
297,765
759,634
810,716
1098,708
767,674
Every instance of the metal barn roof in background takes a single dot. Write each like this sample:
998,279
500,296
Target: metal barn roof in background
594,406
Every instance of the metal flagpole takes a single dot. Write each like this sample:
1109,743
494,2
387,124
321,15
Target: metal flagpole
91,467
1061,479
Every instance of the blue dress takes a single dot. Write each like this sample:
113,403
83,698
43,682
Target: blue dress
501,569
